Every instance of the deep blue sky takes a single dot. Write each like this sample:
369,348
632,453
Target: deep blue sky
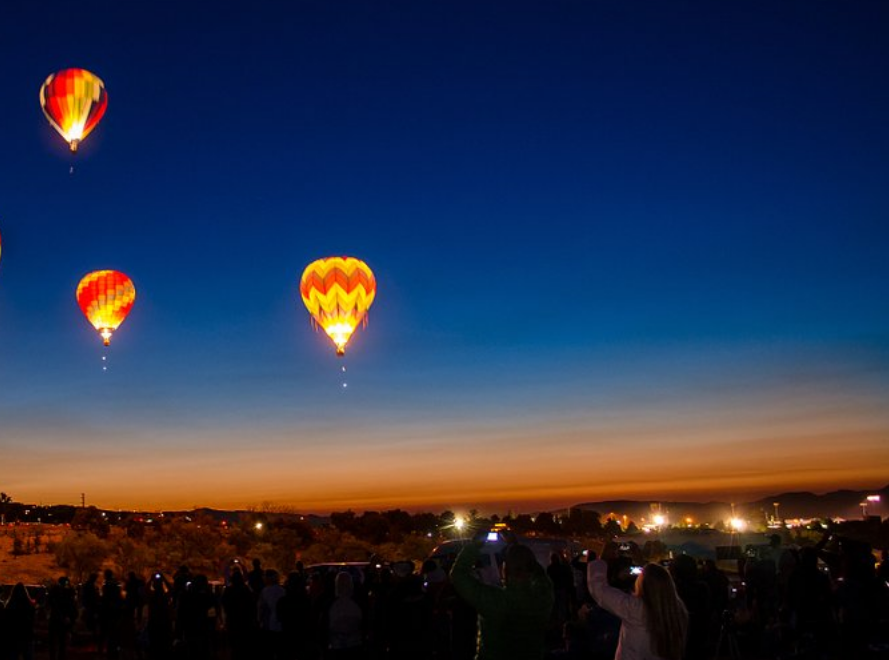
580,215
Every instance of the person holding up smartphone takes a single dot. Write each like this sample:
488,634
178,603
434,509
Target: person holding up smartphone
512,618
654,622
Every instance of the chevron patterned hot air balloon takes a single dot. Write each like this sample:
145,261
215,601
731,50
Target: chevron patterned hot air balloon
73,101
338,291
106,297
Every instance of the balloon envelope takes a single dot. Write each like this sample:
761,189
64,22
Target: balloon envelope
106,297
338,291
73,101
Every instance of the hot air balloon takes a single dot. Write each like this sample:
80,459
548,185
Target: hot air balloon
73,101
106,297
338,291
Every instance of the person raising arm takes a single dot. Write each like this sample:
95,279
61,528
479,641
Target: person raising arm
512,618
654,622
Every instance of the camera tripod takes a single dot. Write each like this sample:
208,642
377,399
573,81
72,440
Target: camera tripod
728,637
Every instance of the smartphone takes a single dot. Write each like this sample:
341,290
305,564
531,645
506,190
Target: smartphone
635,570
492,536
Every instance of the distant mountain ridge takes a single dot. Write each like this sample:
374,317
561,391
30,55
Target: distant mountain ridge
835,504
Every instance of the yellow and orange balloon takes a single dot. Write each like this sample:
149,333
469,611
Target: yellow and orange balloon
73,101
338,291
106,297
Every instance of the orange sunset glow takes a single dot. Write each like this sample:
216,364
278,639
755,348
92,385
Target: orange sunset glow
740,448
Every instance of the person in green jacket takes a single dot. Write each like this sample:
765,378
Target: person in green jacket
512,618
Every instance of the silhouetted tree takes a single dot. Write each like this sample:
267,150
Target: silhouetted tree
373,528
545,523
611,527
5,501
197,544
400,524
133,555
427,523
522,523
90,519
344,521
82,553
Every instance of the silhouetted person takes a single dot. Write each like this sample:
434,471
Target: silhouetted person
195,618
578,565
159,627
345,622
267,612
761,582
438,590
90,602
718,584
131,619
602,629
240,617
562,576
320,592
110,615
857,597
653,619
181,578
409,615
512,618
294,613
256,579
695,596
18,623
135,597
809,602
62,604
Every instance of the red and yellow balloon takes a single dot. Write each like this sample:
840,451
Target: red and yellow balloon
106,297
338,291
73,101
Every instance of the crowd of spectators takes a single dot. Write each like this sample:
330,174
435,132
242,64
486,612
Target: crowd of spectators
826,601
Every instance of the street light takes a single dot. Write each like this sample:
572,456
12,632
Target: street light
871,499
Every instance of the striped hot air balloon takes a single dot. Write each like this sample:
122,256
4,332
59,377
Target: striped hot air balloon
338,291
73,101
106,297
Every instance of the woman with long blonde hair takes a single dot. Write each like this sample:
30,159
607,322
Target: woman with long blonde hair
654,622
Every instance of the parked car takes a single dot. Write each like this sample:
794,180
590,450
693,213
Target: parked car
357,569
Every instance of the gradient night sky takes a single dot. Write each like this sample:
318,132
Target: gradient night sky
622,249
